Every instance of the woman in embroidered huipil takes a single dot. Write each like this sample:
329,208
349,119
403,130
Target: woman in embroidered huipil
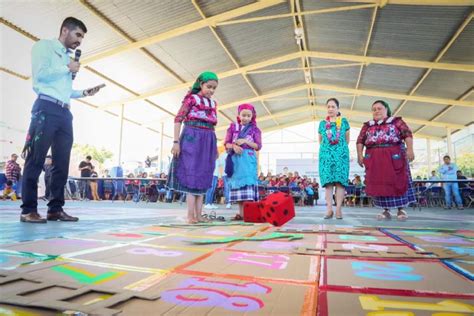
334,138
389,147
195,151
242,141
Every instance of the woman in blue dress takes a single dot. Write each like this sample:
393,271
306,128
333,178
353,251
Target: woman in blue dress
334,138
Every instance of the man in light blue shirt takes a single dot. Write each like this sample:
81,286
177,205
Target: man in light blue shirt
448,172
433,177
51,121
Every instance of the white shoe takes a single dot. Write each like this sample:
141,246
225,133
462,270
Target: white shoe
214,206
208,207
228,205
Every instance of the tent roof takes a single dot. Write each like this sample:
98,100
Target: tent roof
417,55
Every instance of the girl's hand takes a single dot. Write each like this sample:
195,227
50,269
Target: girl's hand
360,160
175,150
410,155
240,141
237,149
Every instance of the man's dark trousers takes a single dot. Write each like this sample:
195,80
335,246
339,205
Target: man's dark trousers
47,184
56,133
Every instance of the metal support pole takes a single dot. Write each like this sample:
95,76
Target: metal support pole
121,135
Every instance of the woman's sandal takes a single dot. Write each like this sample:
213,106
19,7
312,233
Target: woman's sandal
385,215
329,216
237,217
402,215
214,217
204,219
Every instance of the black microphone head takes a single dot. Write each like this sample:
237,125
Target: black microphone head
77,54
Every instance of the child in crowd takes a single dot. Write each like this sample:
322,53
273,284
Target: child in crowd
9,191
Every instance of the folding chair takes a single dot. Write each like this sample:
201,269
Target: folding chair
350,194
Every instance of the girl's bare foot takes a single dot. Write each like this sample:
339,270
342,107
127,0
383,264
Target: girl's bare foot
402,215
192,221
385,215
202,219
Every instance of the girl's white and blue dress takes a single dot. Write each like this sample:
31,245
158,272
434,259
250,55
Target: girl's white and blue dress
244,181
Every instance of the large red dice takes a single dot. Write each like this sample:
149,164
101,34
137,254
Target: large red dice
278,208
253,212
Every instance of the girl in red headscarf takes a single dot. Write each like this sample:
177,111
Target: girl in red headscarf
242,141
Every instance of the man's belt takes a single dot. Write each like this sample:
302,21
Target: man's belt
51,99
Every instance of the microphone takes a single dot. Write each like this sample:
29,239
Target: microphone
76,58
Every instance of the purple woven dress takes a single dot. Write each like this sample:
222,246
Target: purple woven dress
193,170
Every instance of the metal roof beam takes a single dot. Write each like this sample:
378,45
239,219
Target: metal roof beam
416,2
130,39
312,54
307,120
367,43
294,14
349,113
392,61
191,27
438,58
446,109
222,75
372,93
231,57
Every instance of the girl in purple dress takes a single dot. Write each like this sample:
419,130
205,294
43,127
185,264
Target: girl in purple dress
195,150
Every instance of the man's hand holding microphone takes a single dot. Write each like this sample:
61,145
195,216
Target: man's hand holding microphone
74,68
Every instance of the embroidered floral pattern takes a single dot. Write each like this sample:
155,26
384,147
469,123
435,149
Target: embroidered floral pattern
389,131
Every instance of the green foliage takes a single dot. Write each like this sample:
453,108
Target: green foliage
465,163
98,154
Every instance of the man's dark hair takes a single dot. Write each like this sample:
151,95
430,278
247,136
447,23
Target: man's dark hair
9,183
71,23
447,156
89,157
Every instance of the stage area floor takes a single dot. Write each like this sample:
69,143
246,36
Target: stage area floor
141,259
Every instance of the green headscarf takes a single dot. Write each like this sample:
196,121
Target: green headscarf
204,77
385,104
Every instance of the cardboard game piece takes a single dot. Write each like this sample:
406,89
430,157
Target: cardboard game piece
92,273
467,252
60,302
181,242
463,267
24,311
372,239
439,240
198,225
56,246
331,230
11,259
221,231
143,256
280,246
360,304
255,238
421,276
118,236
257,265
205,295
374,252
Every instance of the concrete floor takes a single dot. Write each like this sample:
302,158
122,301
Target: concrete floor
105,215
120,248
